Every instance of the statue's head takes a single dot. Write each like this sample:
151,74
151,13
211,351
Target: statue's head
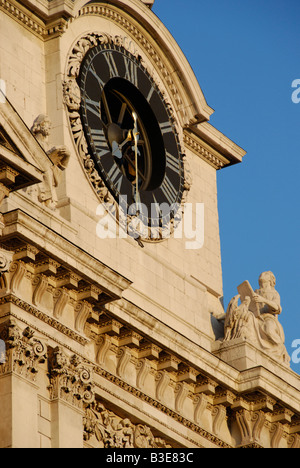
267,277
41,125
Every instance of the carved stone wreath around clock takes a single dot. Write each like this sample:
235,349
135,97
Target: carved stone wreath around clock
105,148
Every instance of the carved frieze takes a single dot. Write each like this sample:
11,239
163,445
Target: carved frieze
111,431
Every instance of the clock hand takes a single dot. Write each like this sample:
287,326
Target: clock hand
117,147
136,135
106,108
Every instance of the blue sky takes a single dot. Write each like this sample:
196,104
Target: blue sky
246,55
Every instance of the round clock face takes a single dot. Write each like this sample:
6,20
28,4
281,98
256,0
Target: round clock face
130,134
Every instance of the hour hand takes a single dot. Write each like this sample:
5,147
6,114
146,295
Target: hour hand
117,148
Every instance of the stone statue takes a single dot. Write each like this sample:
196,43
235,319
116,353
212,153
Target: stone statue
256,318
59,156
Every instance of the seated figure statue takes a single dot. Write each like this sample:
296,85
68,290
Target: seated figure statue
256,319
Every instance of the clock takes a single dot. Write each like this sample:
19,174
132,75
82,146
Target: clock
131,136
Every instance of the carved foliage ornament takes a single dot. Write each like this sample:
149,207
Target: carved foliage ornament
70,379
24,351
106,150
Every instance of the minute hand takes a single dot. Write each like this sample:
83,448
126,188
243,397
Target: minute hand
136,134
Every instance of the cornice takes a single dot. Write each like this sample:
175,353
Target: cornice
24,228
205,152
35,312
159,406
43,29
213,138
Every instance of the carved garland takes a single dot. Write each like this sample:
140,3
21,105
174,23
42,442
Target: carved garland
72,98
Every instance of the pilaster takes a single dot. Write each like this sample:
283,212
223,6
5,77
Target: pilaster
18,386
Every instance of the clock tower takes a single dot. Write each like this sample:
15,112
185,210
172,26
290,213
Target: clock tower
112,280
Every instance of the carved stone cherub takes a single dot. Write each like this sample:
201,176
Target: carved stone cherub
59,155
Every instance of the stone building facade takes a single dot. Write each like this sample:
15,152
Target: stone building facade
113,333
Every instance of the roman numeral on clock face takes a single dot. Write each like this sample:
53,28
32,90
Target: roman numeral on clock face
131,71
116,176
99,142
113,70
92,106
172,163
169,190
166,127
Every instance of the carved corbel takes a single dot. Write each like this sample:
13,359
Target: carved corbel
124,356
277,431
294,441
162,381
143,370
181,392
104,345
18,271
250,425
219,416
5,263
40,283
61,298
82,311
200,405
224,397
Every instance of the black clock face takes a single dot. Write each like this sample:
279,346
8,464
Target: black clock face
130,134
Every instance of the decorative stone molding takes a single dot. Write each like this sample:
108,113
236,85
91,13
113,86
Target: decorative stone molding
203,152
71,379
113,432
42,29
49,290
35,312
24,352
164,408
